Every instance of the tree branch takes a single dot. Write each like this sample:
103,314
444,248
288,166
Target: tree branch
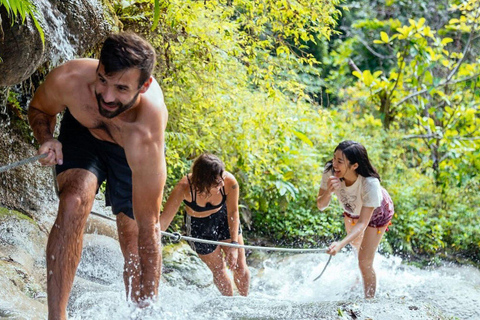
422,136
353,66
464,54
375,53
439,85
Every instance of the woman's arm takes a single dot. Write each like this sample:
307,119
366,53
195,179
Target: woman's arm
358,229
172,204
233,216
324,196
232,190
323,199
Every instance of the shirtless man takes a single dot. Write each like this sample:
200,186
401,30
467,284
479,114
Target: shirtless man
113,128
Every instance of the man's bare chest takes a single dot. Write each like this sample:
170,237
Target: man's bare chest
87,115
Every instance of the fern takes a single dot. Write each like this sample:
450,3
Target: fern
22,8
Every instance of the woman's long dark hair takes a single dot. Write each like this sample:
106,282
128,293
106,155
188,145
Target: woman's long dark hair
205,171
355,153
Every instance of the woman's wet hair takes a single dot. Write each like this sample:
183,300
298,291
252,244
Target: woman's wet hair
206,171
355,153
125,50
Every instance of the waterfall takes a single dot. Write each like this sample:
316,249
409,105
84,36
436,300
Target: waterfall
60,47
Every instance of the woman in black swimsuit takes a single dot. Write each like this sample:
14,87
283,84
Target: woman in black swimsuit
210,195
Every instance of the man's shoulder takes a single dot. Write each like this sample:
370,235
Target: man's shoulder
72,71
153,111
153,98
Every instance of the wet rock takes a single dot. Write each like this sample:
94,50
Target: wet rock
101,261
21,272
183,267
71,28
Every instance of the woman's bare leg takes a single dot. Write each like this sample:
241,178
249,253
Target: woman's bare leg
217,265
366,254
241,274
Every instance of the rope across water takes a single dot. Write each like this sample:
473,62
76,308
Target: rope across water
22,162
177,236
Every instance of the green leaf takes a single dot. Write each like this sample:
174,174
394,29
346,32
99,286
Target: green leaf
446,41
156,15
384,37
303,137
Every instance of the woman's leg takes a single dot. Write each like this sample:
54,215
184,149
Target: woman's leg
216,264
366,254
349,223
241,274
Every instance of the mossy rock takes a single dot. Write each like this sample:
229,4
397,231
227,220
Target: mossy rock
6,213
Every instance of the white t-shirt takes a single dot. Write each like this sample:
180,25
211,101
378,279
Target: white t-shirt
364,192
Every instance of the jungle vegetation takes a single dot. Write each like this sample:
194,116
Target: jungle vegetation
272,86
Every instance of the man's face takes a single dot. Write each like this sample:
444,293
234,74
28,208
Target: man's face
116,92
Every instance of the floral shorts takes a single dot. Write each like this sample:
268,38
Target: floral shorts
382,215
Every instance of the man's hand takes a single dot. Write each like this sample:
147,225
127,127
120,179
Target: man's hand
54,150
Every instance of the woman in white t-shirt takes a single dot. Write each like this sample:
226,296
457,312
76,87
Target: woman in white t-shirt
367,206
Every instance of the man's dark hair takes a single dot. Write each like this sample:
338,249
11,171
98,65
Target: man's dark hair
127,50
206,169
356,153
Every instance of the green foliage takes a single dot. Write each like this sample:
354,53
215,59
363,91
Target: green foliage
430,91
17,116
242,79
21,9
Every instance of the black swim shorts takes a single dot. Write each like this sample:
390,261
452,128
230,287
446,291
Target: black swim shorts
104,159
214,227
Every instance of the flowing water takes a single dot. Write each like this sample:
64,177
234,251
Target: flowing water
282,287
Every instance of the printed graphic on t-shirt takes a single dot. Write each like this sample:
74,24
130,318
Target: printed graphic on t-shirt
348,201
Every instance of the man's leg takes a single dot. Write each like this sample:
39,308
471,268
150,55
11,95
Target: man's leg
77,189
139,286
128,237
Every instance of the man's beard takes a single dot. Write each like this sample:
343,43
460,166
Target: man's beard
120,106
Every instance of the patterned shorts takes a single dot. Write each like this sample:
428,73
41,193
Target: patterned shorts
382,215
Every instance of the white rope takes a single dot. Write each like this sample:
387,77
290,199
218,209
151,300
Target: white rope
22,162
177,237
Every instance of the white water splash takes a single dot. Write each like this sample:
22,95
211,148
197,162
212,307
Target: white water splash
283,288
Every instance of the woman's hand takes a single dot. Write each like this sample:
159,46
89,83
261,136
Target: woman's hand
334,248
333,184
232,256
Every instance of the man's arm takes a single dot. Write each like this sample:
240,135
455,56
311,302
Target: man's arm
42,113
145,155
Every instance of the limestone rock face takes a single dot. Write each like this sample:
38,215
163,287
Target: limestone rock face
28,188
21,50
71,27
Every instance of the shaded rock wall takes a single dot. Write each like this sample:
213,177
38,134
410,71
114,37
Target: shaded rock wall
71,27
